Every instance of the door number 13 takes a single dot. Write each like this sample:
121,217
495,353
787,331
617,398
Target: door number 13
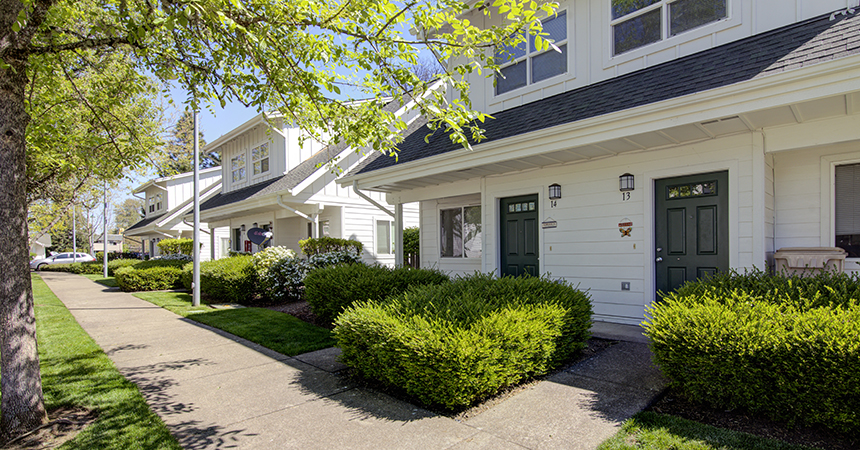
625,196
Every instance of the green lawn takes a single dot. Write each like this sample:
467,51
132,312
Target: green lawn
76,372
109,281
280,332
648,430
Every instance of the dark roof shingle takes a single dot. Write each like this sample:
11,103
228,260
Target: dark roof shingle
794,46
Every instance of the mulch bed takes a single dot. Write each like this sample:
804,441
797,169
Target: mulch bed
743,421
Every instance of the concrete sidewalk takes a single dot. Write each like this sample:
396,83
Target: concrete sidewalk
214,390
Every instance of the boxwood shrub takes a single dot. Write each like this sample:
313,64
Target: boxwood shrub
452,344
326,244
225,280
784,347
155,278
330,290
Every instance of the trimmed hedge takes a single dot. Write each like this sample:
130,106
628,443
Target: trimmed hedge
784,347
330,290
316,246
452,344
228,280
156,278
184,246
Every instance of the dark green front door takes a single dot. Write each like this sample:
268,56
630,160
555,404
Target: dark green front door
519,235
692,227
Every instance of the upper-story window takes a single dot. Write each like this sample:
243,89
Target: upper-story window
526,65
237,165
260,158
636,23
151,203
158,202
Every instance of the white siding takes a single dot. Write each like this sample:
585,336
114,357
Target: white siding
586,248
803,196
590,57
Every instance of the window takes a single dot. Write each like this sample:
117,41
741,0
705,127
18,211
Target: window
526,64
237,165
325,230
260,159
636,23
151,203
848,209
158,202
384,237
461,232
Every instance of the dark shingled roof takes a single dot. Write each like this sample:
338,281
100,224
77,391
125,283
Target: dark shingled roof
144,222
798,45
290,180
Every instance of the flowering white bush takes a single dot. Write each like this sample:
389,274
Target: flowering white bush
263,262
284,281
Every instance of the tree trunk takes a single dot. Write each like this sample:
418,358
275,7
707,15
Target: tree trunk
22,404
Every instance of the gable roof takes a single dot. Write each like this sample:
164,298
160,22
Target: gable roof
291,179
798,45
144,222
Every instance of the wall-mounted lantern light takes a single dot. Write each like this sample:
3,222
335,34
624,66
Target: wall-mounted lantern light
243,227
625,182
554,191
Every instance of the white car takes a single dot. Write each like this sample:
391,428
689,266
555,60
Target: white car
61,258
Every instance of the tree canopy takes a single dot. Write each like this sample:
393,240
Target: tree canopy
288,56
177,155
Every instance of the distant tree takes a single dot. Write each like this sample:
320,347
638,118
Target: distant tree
178,153
427,69
127,213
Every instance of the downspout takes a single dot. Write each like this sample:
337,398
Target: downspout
372,201
314,220
185,221
398,223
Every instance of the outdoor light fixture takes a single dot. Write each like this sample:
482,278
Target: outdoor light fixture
554,191
243,227
626,182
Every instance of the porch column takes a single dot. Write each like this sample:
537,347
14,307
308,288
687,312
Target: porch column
398,235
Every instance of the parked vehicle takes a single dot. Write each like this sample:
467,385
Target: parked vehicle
61,258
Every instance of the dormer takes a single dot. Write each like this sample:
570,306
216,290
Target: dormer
161,195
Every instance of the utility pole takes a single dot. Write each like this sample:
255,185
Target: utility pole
104,236
195,279
74,236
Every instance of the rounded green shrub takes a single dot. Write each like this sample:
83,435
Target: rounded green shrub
785,347
227,280
330,290
132,279
452,344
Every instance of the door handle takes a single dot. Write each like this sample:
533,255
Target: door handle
659,259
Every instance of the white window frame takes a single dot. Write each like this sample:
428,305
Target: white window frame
662,5
376,222
528,57
236,170
158,201
260,160
828,201
462,209
150,203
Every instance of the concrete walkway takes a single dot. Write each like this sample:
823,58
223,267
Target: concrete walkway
214,390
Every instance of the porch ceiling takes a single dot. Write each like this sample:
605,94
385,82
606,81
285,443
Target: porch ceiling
794,113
